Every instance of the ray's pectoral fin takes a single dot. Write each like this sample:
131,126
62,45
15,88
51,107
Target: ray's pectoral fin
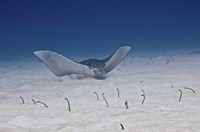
116,58
61,65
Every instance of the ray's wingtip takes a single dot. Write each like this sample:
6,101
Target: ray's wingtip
126,47
35,52
129,47
39,52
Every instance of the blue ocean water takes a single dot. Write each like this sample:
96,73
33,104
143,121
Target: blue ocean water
80,28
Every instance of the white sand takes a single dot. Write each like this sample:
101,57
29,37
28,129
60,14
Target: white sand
161,111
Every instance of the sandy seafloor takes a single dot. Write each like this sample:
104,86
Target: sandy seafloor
161,112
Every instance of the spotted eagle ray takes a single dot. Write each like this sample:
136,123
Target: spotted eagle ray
61,65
